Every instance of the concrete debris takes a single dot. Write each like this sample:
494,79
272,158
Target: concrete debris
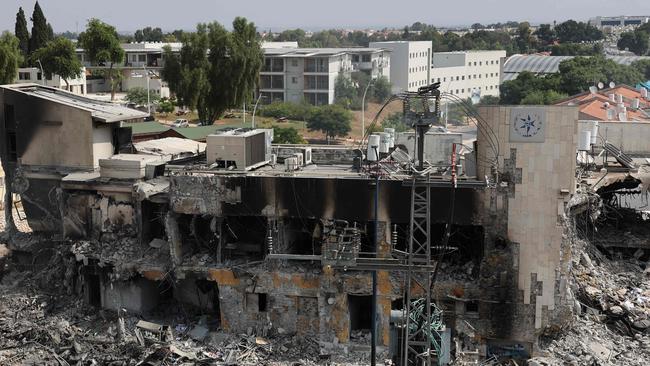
611,327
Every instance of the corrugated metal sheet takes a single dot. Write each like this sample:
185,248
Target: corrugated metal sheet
540,64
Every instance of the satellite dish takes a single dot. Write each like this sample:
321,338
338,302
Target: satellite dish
593,89
612,84
601,85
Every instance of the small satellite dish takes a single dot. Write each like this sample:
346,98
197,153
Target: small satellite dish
601,85
593,89
612,84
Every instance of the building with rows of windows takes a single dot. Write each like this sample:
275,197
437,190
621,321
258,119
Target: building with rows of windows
467,73
309,74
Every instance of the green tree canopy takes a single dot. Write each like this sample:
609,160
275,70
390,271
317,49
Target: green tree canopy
642,66
58,57
101,43
396,121
22,33
382,89
41,31
637,41
577,32
287,135
545,34
138,95
223,78
10,58
148,34
345,92
333,120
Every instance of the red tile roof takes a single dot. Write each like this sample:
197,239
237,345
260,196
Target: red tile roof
595,106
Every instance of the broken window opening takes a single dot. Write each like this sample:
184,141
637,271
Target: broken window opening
261,302
93,290
360,308
153,221
245,237
464,251
471,307
301,236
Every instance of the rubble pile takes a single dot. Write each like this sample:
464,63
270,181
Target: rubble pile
612,312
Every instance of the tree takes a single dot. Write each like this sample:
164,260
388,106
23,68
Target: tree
577,32
477,26
545,34
10,58
489,100
382,89
543,97
22,33
287,135
333,120
642,66
579,73
102,45
58,57
345,93
223,78
148,34
396,121
525,39
41,31
637,41
138,96
165,106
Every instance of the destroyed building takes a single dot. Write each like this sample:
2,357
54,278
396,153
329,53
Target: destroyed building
282,238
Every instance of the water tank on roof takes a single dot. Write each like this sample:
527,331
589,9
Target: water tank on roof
384,142
373,147
584,144
619,98
391,133
594,132
612,97
644,93
636,103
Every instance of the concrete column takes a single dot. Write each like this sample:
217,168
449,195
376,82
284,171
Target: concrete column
174,236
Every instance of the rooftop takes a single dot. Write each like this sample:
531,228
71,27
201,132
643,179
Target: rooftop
100,111
314,52
541,64
595,106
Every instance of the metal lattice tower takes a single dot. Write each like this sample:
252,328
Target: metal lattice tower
417,338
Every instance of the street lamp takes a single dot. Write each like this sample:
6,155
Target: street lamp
255,109
363,109
42,73
146,73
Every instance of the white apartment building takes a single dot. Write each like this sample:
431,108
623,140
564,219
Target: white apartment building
467,73
309,74
140,59
410,63
33,75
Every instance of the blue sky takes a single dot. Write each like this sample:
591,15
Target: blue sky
128,15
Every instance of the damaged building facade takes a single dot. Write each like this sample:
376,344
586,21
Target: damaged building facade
281,239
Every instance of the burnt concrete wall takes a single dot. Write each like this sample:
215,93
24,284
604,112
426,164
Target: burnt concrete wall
326,198
49,133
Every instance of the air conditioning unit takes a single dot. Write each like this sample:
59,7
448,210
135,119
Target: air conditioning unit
291,164
238,149
307,155
299,159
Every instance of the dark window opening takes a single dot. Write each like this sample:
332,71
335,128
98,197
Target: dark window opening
302,236
397,304
471,307
211,289
261,302
12,147
245,237
360,308
153,221
94,290
464,250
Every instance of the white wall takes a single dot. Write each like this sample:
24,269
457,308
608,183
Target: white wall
410,64
461,72
102,143
631,137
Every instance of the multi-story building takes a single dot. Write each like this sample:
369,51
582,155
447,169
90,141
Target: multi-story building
309,74
140,60
467,73
619,21
410,63
33,75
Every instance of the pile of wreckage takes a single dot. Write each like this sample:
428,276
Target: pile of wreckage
612,301
41,322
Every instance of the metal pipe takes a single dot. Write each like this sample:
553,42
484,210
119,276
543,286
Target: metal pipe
373,326
255,109
363,109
